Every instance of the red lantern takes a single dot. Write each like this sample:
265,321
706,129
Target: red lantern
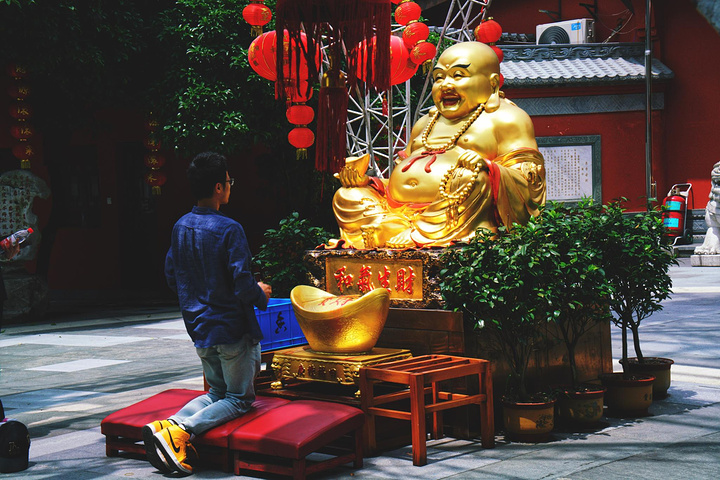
20,111
257,14
300,114
415,32
261,55
405,73
399,57
23,151
155,179
502,80
22,132
18,91
422,52
500,54
17,71
488,31
154,160
406,12
152,143
301,138
152,124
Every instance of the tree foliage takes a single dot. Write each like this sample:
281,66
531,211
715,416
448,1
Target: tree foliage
637,260
280,258
210,94
185,61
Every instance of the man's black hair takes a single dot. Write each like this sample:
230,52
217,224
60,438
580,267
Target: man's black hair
205,171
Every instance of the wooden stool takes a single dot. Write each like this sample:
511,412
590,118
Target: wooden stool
416,373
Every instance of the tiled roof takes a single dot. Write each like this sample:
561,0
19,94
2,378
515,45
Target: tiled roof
569,65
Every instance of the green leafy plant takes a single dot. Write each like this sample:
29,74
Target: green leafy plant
581,288
636,258
280,258
503,283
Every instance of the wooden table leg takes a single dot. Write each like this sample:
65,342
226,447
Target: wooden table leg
417,420
487,415
437,426
367,391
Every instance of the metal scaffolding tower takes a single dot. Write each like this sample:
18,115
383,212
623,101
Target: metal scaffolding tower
380,124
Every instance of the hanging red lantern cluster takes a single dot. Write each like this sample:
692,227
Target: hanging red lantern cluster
300,137
257,14
262,55
415,34
21,112
154,160
489,32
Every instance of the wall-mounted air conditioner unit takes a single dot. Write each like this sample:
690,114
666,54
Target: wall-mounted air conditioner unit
569,31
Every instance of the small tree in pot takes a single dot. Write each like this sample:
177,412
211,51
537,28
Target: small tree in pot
579,297
503,283
280,258
637,258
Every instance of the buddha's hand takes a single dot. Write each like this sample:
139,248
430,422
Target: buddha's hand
531,171
349,177
471,160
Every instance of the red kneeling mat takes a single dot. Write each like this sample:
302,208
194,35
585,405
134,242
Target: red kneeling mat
297,429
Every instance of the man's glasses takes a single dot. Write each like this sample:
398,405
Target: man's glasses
231,181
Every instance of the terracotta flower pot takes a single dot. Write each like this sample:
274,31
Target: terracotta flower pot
627,395
656,366
581,406
529,422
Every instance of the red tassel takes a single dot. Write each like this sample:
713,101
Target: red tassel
337,22
330,145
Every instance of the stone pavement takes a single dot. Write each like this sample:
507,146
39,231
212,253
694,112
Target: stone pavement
63,376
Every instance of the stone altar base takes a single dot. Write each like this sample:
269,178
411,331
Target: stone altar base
705,260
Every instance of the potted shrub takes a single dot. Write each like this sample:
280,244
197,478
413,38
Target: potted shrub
503,285
636,259
280,258
579,299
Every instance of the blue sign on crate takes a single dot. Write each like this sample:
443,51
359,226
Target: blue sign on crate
279,325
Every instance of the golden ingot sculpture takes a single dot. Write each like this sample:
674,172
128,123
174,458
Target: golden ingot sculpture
340,324
471,162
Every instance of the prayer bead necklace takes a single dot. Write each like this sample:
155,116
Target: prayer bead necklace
451,143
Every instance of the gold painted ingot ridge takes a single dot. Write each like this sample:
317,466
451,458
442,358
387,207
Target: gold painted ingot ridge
340,324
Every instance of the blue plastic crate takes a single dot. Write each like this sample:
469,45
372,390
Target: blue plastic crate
279,325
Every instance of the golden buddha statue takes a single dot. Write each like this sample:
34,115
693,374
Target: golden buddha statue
472,162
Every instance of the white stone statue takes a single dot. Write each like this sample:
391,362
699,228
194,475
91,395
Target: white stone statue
711,245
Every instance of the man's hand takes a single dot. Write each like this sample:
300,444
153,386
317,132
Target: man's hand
349,177
267,289
11,251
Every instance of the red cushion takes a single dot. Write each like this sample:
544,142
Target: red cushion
297,429
218,436
128,422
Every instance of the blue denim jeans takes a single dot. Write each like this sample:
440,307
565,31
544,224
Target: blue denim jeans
230,370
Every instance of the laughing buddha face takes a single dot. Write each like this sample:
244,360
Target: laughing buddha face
465,76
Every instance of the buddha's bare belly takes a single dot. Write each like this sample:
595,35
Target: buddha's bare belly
417,178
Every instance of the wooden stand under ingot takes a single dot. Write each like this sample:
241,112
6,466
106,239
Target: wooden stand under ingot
302,363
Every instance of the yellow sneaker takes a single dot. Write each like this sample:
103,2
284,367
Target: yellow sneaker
173,443
155,458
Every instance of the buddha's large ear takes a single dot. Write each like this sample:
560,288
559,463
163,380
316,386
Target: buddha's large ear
493,103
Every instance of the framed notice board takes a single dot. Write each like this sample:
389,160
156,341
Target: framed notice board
572,167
